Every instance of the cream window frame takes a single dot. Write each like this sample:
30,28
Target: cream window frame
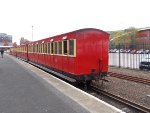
49,47
52,48
59,47
66,48
43,49
39,48
74,48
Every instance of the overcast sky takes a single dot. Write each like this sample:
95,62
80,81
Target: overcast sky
53,17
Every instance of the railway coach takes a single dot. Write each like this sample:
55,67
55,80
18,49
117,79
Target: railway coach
81,55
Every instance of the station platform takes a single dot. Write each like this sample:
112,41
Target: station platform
27,89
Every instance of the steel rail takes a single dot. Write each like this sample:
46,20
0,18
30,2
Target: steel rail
130,78
120,99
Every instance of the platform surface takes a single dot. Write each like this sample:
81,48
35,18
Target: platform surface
27,89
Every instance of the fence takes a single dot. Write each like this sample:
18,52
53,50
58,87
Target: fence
129,56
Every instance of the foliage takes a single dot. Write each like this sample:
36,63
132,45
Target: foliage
123,36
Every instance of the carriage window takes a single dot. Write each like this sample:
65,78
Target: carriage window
52,48
71,47
55,46
45,48
49,48
65,44
33,48
39,48
29,48
60,47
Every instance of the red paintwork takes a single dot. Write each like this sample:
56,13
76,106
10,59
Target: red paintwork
91,53
23,55
142,33
143,36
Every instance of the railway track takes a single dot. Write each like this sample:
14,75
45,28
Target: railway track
120,99
130,78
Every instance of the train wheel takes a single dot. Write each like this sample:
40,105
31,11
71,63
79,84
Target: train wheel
87,84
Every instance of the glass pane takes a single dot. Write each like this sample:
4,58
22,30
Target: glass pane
39,48
55,47
52,48
65,47
60,47
49,47
71,47
45,48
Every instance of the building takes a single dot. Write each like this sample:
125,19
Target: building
5,40
23,41
143,36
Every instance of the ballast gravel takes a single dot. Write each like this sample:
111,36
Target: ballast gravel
135,92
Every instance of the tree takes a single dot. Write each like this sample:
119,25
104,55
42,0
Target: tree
122,37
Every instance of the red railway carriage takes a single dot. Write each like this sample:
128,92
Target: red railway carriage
81,54
20,51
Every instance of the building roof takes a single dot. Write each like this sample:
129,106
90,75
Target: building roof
143,29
